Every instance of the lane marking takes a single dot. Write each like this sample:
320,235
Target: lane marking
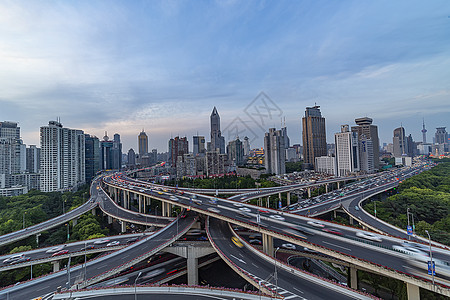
255,265
242,261
301,292
336,245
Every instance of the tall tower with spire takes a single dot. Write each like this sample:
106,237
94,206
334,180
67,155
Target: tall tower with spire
424,133
217,140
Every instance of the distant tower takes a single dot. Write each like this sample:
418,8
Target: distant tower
142,143
424,133
217,140
314,135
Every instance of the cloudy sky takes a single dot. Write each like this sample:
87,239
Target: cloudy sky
120,66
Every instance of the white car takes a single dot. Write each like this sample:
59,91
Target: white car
411,251
288,246
213,209
238,205
316,224
102,241
13,258
369,236
173,198
277,217
113,243
55,249
246,209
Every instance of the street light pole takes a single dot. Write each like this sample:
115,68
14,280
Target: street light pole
135,294
375,204
431,257
276,273
407,215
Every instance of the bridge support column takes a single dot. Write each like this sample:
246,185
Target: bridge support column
267,242
412,291
124,197
93,211
353,278
140,203
192,266
309,192
124,227
288,196
326,188
110,220
334,214
268,201
350,220
74,222
166,209
56,265
338,185
260,202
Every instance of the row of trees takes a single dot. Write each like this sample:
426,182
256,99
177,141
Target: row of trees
427,196
227,182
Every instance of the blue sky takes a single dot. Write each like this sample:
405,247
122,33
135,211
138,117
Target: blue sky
122,66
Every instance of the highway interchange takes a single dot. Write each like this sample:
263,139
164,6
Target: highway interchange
317,235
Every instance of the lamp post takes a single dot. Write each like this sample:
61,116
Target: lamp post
135,294
375,208
276,272
431,257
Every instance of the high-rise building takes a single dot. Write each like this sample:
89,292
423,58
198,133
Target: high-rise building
235,152
131,157
275,152
92,156
198,145
326,164
105,153
441,136
33,159
365,129
215,162
366,156
143,143
285,137
177,147
246,145
314,135
116,153
399,142
62,157
347,152
217,140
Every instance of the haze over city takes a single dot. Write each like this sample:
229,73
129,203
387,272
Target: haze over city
124,66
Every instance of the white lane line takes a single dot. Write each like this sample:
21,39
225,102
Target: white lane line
336,246
293,296
242,261
255,265
301,292
43,288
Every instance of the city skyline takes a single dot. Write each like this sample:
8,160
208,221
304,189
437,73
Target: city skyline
143,67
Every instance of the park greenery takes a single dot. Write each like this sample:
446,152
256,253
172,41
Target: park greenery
293,167
427,196
226,182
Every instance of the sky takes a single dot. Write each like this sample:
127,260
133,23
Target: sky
161,66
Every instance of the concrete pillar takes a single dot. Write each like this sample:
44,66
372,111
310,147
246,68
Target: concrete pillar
412,291
338,185
353,278
56,265
74,222
334,214
192,266
260,202
128,200
267,242
110,220
351,220
309,192
140,203
268,201
93,211
326,188
124,226
166,209
288,196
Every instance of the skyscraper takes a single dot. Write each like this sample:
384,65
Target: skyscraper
217,140
367,131
10,153
441,136
246,145
275,152
177,147
143,143
92,156
116,153
198,145
235,152
33,159
347,152
62,157
314,135
106,157
399,142
131,157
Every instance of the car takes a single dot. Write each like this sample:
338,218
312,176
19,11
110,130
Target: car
194,196
237,204
316,224
309,250
102,241
132,240
422,247
213,201
264,211
173,198
62,252
246,209
88,247
255,242
277,217
369,236
237,242
197,201
20,260
288,246
12,258
194,232
410,251
160,193
153,273
183,216
356,207
113,243
213,209
55,249
333,231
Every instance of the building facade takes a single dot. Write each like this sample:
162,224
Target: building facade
92,156
314,135
62,157
198,145
368,131
347,152
142,143
326,164
235,152
275,152
217,140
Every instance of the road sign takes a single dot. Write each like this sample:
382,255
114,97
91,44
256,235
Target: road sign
409,230
431,268
279,204
258,218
